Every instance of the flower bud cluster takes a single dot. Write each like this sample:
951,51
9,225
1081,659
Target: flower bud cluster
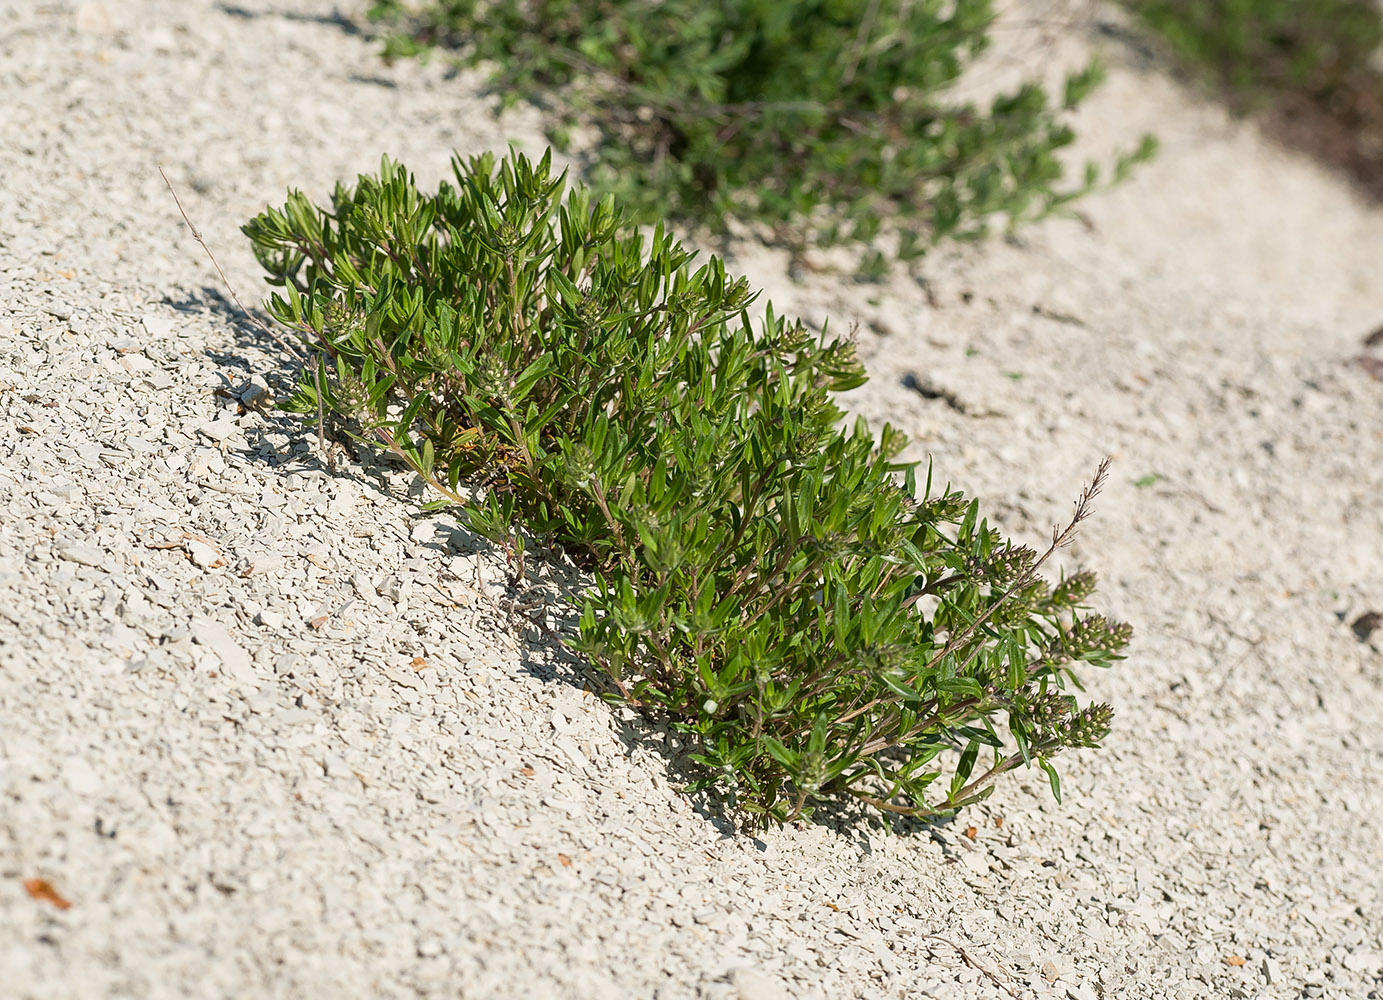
340,321
878,659
1046,712
1010,564
491,377
508,238
1058,724
1088,727
588,312
1097,635
580,467
1075,590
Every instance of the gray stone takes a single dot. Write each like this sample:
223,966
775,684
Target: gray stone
84,555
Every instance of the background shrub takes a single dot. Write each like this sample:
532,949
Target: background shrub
819,120
1312,68
773,584
1259,47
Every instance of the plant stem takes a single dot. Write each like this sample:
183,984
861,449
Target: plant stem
1060,537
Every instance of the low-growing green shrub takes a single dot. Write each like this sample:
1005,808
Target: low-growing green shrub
820,120
769,582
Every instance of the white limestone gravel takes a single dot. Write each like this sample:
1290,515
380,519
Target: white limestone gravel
266,730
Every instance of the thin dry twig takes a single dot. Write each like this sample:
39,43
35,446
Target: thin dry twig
969,960
1061,537
290,348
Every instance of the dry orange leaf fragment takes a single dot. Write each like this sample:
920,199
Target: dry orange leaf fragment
566,861
527,772
998,822
418,663
971,832
42,889
1234,960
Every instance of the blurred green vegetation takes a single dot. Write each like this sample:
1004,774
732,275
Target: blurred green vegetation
1312,69
818,122
1261,47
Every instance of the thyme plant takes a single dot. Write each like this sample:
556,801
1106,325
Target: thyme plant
823,122
773,583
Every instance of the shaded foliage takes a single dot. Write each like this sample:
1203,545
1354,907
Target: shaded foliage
821,121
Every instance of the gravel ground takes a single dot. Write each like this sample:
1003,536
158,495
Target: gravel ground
267,731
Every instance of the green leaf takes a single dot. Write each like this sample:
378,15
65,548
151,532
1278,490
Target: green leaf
964,767
1053,778
780,753
899,688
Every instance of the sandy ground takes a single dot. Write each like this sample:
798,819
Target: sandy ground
252,752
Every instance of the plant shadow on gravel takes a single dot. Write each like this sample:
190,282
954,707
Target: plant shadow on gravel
545,657
209,301
258,355
335,19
